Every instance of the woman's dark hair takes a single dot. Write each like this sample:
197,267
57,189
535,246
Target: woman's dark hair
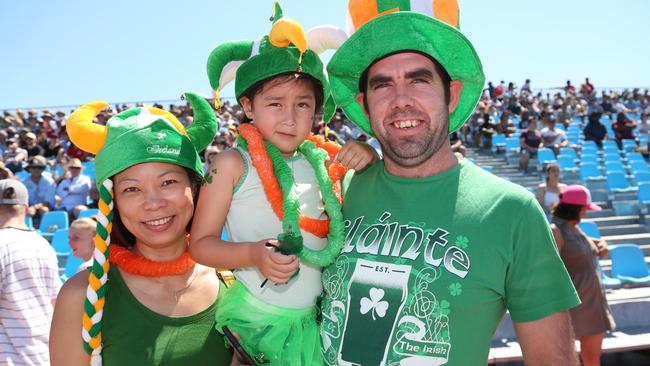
259,86
567,211
120,235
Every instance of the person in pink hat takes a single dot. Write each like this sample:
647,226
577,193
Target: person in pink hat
592,317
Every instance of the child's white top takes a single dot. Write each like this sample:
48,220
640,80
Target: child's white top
251,219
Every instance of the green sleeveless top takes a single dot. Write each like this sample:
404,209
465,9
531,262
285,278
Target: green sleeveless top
135,335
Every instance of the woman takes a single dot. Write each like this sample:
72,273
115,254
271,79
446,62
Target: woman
548,192
159,304
579,253
530,141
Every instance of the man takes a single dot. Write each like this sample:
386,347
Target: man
73,190
14,156
436,250
29,282
41,188
554,138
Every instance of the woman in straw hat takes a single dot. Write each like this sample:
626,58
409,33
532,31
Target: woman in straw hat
156,305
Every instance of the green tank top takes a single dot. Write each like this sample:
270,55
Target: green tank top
135,335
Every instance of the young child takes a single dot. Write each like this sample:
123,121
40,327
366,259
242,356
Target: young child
81,238
274,185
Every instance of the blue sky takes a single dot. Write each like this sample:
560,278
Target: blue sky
69,52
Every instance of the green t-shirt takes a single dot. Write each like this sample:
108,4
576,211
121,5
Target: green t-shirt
135,335
431,264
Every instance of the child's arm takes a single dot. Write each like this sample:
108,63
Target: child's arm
206,246
356,155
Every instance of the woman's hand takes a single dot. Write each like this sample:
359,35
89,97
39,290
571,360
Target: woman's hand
601,246
356,155
276,267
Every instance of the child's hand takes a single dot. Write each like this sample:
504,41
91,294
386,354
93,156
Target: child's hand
356,155
276,267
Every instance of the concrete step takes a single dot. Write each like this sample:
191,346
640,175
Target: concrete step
615,220
623,229
607,212
606,264
640,239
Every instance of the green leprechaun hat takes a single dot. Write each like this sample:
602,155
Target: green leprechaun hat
140,135
285,49
384,27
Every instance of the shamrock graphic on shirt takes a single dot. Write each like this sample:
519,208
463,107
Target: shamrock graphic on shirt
374,303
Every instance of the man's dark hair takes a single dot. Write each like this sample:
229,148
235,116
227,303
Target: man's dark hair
567,211
446,79
259,86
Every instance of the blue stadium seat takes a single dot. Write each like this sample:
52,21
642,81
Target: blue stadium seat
607,144
641,177
638,166
629,145
607,281
88,213
644,193
512,144
634,156
567,164
545,156
611,166
51,222
590,229
617,182
589,145
589,150
89,169
71,267
60,243
590,171
570,152
21,175
628,264
612,157
498,142
589,158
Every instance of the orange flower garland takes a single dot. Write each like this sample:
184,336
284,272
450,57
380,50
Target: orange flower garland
141,266
264,166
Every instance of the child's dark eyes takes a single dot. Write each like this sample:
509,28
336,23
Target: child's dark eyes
169,182
304,105
130,189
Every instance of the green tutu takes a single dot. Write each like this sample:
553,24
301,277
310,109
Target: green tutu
270,334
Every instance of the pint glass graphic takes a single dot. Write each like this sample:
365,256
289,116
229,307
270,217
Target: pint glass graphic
376,294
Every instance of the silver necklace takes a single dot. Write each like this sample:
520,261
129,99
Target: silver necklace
178,293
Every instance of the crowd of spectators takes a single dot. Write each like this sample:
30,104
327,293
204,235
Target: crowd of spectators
540,118
35,148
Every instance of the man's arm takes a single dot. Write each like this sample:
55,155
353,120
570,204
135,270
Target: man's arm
547,341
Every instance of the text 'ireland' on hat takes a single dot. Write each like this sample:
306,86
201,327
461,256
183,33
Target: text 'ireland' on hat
384,27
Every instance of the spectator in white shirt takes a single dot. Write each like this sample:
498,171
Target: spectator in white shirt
29,282
73,190
554,138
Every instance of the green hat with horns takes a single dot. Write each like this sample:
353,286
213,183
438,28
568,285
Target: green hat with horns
140,135
285,49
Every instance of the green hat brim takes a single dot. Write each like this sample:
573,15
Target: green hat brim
405,31
275,61
129,145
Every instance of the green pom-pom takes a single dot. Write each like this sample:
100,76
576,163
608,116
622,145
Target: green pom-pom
290,243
